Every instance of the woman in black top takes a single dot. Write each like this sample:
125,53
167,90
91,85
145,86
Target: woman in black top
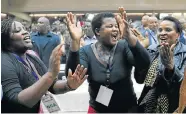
162,83
109,63
24,77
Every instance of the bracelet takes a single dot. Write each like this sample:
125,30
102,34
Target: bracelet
68,87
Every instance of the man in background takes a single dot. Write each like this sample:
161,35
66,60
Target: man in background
89,37
44,41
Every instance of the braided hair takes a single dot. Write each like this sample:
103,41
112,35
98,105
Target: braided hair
5,34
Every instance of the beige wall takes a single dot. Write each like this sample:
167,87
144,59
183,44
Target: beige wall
94,5
23,16
4,5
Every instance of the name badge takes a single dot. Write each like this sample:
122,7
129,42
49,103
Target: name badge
104,95
50,103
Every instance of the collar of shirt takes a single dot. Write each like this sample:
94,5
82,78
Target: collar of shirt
92,38
49,34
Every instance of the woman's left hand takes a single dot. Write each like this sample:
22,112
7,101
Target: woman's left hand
166,54
76,79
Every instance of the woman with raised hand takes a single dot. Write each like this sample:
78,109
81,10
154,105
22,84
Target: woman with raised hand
109,62
164,77
24,77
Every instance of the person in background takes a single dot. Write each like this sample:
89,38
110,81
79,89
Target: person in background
153,26
33,29
56,28
67,39
165,74
109,62
24,77
44,41
27,25
146,37
144,25
89,37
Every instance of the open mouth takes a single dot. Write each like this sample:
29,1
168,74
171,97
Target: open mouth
163,39
27,39
114,36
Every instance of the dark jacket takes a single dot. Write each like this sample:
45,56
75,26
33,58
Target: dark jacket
44,45
125,57
14,79
168,82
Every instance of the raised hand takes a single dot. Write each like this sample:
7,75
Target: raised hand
74,27
125,28
121,20
143,40
55,60
166,54
75,80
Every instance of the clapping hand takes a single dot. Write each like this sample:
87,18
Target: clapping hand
122,23
125,28
55,60
143,40
76,79
166,54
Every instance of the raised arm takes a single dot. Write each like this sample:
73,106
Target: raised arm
171,72
76,56
28,97
140,59
136,53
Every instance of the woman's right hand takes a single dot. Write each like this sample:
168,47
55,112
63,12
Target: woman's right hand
55,60
143,40
124,27
74,27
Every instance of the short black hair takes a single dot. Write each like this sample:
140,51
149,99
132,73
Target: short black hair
98,20
6,25
177,23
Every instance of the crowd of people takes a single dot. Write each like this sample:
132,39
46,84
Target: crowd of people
103,51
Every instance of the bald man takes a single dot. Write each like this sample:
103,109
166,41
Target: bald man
153,27
44,41
43,25
143,28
